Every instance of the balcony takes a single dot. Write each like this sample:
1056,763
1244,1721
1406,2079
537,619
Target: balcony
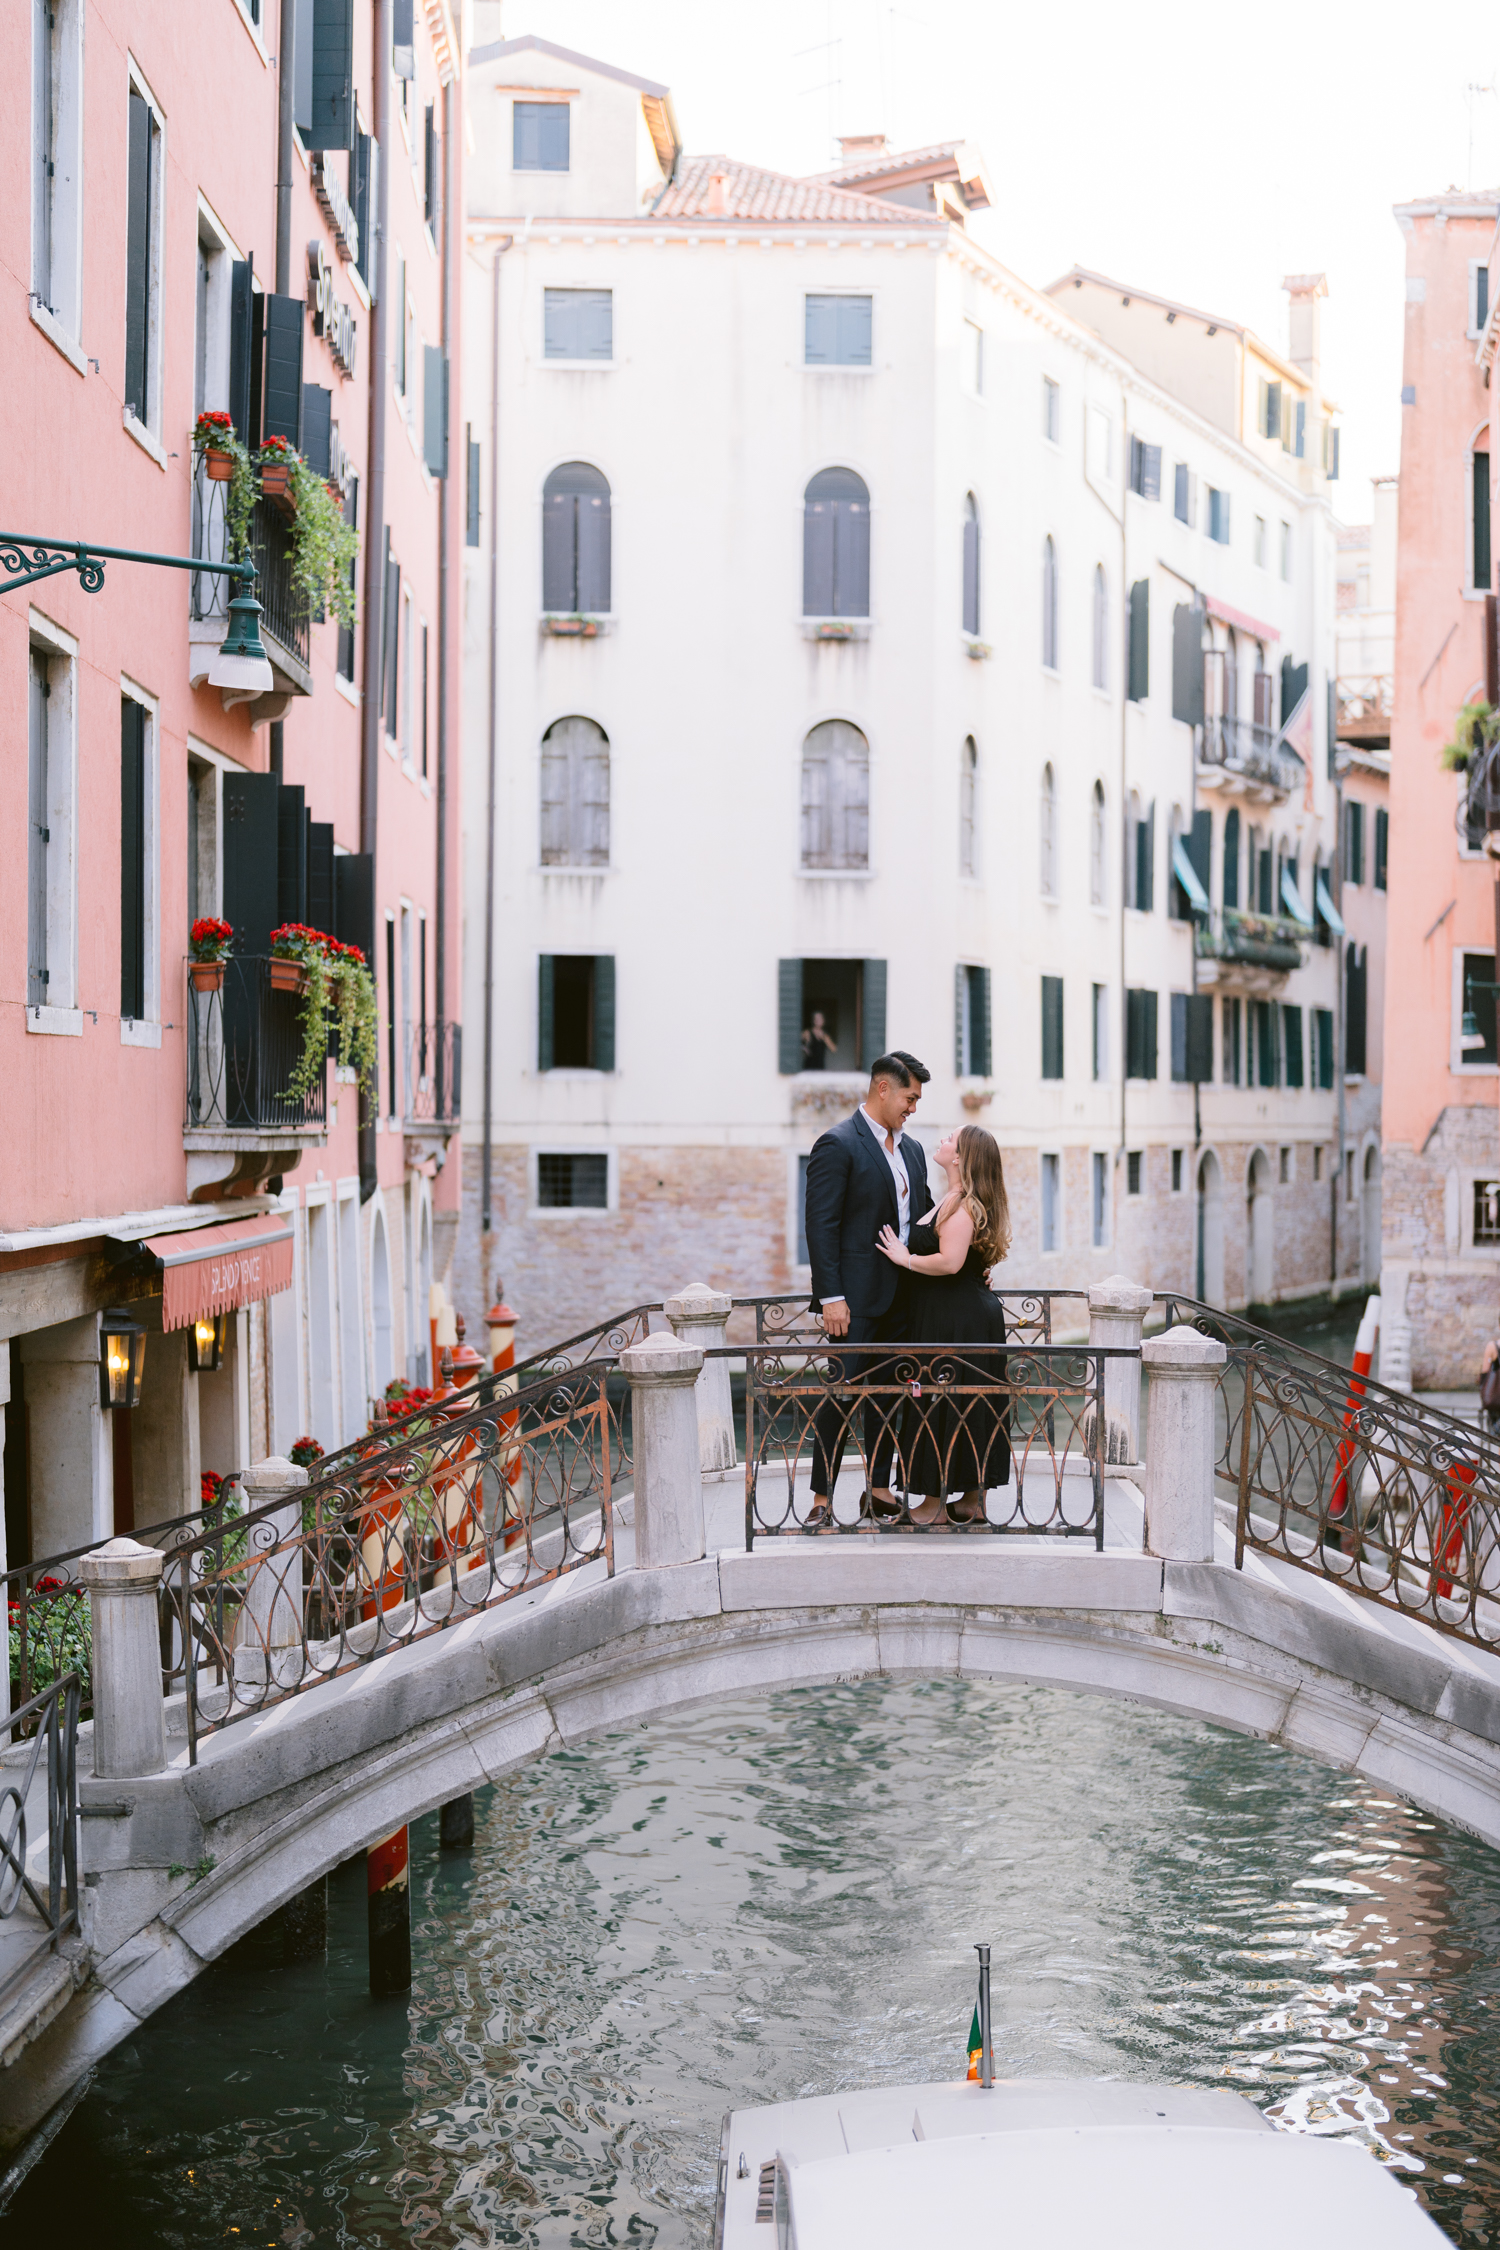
1245,759
240,1126
1248,952
1364,709
285,627
433,1101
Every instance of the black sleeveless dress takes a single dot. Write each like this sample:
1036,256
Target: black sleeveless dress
955,1443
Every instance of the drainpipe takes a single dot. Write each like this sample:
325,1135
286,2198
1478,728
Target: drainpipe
286,91
440,976
486,1168
1338,1034
369,756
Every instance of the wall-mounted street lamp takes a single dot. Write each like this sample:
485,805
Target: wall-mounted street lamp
206,1343
123,1362
241,663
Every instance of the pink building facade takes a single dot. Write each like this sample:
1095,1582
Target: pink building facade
148,1124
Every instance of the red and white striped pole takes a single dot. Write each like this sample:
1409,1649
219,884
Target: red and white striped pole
1364,1356
389,1908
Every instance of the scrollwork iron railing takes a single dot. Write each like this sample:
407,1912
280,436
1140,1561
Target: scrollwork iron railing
50,1720
1029,1315
244,1042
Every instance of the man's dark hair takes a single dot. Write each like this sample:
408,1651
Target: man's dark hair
904,1068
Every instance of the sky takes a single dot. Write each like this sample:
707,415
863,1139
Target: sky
1199,153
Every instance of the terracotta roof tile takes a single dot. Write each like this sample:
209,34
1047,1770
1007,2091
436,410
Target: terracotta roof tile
721,188
889,160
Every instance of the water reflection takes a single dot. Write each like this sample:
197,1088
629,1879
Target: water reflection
781,1897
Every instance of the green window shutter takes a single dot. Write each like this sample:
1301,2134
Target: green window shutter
1200,1039
1187,664
788,1017
1383,833
872,1019
1179,1065
979,1017
132,859
544,1012
604,1011
435,410
1052,1027
1148,1034
1139,680
1291,1033
960,997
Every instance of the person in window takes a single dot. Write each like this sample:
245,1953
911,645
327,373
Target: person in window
957,1439
1489,1387
816,1044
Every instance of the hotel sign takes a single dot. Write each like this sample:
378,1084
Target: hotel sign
331,318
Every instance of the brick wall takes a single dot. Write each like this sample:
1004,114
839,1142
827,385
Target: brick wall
1452,1294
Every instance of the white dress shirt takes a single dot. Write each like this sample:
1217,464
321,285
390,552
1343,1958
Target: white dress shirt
899,1173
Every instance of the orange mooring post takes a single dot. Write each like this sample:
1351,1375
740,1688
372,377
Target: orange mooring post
1364,1353
389,1897
466,1361
501,1323
1453,1524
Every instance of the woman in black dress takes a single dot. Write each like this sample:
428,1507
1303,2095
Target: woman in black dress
958,1444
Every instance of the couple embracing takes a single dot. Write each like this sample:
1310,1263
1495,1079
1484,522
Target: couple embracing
891,1267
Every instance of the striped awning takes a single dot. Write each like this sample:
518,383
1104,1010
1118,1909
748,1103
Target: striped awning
215,1269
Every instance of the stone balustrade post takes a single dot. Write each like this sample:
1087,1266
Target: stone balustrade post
699,1315
1183,1368
130,1733
663,1377
271,1617
1117,1309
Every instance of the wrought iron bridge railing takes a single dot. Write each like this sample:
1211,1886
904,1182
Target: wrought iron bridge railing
43,1733
285,618
245,1038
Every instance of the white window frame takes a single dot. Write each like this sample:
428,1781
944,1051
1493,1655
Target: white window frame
61,1015
1259,543
603,366
1101,1232
1286,552
404,684
560,1145
1051,411
1478,441
61,320
216,239
1474,329
1044,1157
1456,1063
1487,1252
145,1031
148,433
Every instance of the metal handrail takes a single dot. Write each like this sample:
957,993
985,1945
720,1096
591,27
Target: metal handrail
52,1718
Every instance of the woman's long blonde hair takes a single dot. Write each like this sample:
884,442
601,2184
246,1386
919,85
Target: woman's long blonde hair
981,1191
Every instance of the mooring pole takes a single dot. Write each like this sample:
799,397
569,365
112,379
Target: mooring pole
456,1824
389,1915
986,2046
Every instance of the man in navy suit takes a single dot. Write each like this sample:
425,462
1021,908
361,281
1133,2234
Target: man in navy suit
863,1175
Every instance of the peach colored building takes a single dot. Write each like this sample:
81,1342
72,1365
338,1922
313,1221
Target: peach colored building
146,1125
1440,1258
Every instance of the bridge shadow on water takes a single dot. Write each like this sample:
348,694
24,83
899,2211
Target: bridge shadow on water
780,1897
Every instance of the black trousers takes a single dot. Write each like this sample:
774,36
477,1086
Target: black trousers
832,1419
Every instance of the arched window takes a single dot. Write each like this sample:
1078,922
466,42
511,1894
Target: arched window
1049,604
1049,832
835,797
1232,858
1101,628
1096,846
575,541
575,795
971,565
836,546
968,808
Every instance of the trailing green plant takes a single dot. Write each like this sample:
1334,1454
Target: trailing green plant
215,433
355,1011
323,544
338,982
59,1635
1475,730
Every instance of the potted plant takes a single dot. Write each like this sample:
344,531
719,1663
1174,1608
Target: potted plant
323,544
332,978
214,438
291,957
274,464
209,939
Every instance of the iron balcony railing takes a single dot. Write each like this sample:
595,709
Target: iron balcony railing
245,1038
1479,806
285,619
1258,941
1241,746
434,1074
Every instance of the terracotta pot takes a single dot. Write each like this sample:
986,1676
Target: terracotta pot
220,466
276,482
207,976
288,976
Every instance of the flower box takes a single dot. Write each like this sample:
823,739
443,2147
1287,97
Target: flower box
288,975
207,976
219,467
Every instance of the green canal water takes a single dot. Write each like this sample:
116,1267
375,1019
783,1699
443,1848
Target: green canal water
780,1897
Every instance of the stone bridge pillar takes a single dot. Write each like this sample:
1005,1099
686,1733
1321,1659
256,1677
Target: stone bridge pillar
130,1735
663,1376
1184,1368
698,1315
1117,1308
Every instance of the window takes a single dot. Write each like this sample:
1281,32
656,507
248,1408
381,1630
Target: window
1185,495
1101,628
1145,469
1286,551
830,1015
143,200
404,737
1099,1013
973,357
1192,1038
1263,1024
1476,1034
392,1080
1481,549
1049,604
1270,409
364,195
1299,433
1382,846
1133,1172
57,161
390,629
1051,1203
539,136
1099,1199
133,860
837,331
1231,875
1317,1164
836,545
346,632
576,1015
1323,1047
1349,1175
401,325
972,1022
1265,883
835,797
1140,1034
1218,515
576,542
1291,1044
1259,543
1479,296
1284,1167
1331,451
51,917
968,808
1051,411
471,489
575,795
1177,1171
578,324
38,834
1140,856
1096,846
802,1257
1354,842
1101,444
1052,1027
971,565
1047,832
572,1182
430,172
1138,652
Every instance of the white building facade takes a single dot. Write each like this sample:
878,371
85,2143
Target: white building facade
820,646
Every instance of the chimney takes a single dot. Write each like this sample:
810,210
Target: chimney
715,203
1305,289
856,147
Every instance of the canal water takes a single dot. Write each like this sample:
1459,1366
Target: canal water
781,1897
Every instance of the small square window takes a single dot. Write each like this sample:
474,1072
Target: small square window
578,324
837,331
1133,1172
1284,1169
1051,410
1177,1171
541,136
1486,1214
572,1183
1317,1164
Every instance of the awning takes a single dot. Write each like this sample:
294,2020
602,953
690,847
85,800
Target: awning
214,1270
1291,899
1326,907
1187,875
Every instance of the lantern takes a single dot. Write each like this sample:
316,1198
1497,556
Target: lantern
124,1360
206,1343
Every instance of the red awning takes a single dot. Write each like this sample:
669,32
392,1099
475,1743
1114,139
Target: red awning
217,1268
1240,619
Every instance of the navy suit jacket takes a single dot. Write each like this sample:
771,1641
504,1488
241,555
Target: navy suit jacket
850,1197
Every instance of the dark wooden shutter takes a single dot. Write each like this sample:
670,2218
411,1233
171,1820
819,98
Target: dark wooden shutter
1052,1027
1200,845
604,1011
38,835
1145,869
1291,1040
132,859
471,494
325,109
317,428
1187,664
241,335
1150,472
354,902
1139,682
1200,1038
139,196
593,520
1262,691
1178,1037
545,988
403,48
365,198
971,569
1383,834
322,906
1232,858
281,396
872,1015
435,410
291,854
1293,686
430,167
1482,521
1355,960
346,632
1148,1034
817,558
960,1009
788,1018
979,1022
1132,1034
250,875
